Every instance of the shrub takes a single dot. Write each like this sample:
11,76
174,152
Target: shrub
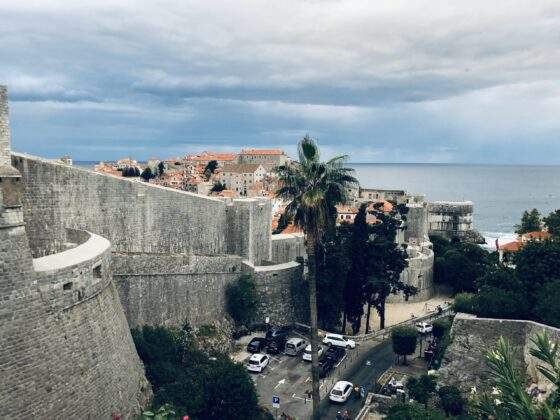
451,400
441,326
241,300
465,302
413,412
421,388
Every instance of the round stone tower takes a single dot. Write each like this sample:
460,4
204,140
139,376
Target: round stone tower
65,346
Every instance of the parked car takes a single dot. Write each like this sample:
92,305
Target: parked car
424,327
276,346
258,362
325,367
256,344
341,391
335,354
339,340
277,332
307,352
294,346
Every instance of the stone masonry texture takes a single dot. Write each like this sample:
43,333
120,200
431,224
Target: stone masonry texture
4,127
464,362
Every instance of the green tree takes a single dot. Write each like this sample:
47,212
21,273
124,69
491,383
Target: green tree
451,400
404,341
147,174
332,272
552,223
210,168
421,388
194,383
458,271
465,302
547,309
530,222
161,168
217,187
242,299
358,254
312,189
441,327
386,263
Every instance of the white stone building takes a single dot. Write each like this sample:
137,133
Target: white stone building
269,158
240,177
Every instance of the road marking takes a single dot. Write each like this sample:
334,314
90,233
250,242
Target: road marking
308,379
280,382
276,359
299,398
260,374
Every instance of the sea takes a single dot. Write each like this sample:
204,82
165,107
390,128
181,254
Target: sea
500,193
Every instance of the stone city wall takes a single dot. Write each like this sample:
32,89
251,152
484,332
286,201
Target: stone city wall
67,351
419,273
169,289
282,293
464,362
287,247
450,219
133,215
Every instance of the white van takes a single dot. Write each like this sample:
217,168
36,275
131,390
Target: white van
294,346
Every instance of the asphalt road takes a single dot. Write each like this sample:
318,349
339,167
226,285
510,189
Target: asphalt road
289,378
381,358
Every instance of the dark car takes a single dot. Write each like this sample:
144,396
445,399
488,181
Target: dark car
325,367
334,353
276,346
256,345
277,332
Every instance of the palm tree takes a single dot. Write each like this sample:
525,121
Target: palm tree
313,189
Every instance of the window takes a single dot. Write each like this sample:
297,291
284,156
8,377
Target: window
97,274
67,286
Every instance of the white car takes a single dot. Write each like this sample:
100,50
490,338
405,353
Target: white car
341,391
339,340
307,352
258,362
424,327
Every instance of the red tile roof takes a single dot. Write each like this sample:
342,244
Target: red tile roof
538,235
511,246
262,152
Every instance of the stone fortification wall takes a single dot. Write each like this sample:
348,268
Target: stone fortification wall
282,293
464,362
169,289
450,219
419,273
66,348
134,216
287,247
248,229
416,223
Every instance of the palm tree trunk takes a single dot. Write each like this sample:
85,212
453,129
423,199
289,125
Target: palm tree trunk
311,272
368,315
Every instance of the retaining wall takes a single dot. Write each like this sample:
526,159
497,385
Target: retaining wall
464,362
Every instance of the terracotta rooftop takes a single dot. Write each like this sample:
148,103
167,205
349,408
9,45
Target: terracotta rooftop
511,246
262,152
208,156
243,168
538,235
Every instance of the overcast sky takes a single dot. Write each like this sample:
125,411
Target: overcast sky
382,81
